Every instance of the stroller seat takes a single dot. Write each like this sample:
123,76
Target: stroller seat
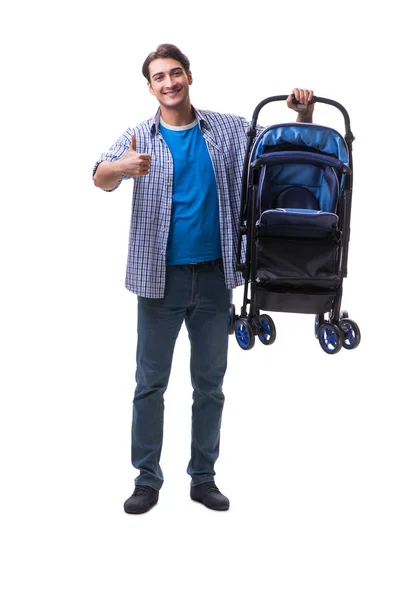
297,215
297,231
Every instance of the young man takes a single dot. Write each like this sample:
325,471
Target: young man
187,167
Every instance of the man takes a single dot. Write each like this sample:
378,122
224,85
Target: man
187,167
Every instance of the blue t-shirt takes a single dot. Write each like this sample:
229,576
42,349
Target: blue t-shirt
194,234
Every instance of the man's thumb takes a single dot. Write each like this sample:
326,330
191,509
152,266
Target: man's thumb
133,143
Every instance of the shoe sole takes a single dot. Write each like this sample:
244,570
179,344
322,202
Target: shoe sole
139,512
211,508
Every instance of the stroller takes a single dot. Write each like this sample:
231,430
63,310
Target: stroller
295,213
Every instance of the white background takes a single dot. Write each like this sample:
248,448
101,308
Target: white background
310,442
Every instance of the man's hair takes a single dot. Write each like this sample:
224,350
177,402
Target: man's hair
165,51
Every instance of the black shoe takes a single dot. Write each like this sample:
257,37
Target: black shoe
209,495
142,499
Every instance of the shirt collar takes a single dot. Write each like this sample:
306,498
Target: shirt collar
155,121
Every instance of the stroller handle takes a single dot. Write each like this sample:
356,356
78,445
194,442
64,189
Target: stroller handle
252,130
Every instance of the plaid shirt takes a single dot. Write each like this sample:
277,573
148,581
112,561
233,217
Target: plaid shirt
225,136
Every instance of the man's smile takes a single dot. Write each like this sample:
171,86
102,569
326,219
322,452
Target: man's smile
172,92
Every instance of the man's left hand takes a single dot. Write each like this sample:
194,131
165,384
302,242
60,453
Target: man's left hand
304,109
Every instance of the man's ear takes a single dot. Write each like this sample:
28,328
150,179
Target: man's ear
190,77
150,88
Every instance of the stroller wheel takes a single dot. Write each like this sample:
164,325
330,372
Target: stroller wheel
330,338
352,334
269,332
231,319
244,334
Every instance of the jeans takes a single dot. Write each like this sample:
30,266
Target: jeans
197,295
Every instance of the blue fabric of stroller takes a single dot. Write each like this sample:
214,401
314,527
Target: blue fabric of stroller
302,173
310,135
315,172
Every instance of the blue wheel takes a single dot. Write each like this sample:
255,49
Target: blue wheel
244,334
231,319
268,335
351,332
330,338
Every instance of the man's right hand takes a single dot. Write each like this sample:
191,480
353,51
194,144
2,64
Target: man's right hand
134,164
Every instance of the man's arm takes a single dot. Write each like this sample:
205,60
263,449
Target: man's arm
133,164
108,174
304,110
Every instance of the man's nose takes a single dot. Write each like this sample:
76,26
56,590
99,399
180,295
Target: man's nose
168,81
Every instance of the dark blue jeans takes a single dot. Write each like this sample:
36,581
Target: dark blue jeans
197,295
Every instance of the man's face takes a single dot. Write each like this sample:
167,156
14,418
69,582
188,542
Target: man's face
169,82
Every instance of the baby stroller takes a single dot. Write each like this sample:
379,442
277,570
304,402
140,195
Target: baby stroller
295,214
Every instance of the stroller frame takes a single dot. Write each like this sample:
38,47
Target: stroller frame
337,330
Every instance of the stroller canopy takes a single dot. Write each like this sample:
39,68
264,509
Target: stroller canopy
309,136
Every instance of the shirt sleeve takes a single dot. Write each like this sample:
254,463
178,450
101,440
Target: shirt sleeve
117,151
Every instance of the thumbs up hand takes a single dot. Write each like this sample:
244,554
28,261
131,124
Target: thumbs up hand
135,164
